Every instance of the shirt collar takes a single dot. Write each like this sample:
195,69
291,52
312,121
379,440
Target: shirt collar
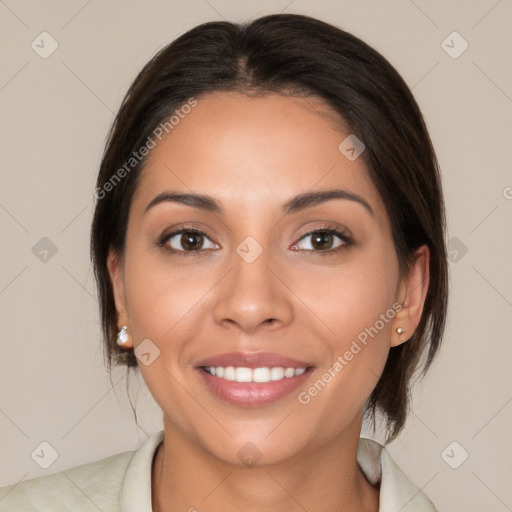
136,489
397,492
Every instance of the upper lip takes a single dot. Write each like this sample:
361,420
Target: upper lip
252,360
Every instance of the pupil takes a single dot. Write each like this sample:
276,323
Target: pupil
320,238
190,241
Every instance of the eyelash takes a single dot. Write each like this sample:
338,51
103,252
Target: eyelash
347,241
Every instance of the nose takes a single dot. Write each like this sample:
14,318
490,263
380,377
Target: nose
253,295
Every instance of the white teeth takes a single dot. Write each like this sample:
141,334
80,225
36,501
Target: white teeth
229,373
261,375
289,372
243,375
265,374
277,373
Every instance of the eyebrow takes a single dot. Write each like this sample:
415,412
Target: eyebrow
293,205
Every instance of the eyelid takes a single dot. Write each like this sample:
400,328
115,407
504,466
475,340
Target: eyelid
327,226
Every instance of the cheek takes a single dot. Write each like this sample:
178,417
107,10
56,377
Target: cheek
357,356
162,298
351,297
355,306
161,294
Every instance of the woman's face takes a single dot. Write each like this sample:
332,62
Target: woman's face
255,289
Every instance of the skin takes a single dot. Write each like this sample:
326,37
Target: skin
252,154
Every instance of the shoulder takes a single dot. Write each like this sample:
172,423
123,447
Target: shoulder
397,491
97,484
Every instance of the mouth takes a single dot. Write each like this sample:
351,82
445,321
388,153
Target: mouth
252,379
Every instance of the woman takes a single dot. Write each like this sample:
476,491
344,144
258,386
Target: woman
269,248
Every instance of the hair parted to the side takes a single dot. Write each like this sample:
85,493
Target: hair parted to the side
294,54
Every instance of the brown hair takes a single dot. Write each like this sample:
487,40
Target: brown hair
283,53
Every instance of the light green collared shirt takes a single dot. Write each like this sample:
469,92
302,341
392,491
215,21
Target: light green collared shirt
122,483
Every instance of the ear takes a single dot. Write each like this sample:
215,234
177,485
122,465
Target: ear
115,270
412,292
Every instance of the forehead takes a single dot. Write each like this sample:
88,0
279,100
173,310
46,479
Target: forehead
254,151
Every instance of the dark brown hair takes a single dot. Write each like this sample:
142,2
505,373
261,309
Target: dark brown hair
302,55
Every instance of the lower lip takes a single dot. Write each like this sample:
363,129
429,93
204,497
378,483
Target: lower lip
252,394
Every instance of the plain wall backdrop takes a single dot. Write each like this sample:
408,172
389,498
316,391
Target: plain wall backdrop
56,109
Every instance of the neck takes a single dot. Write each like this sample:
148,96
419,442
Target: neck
186,477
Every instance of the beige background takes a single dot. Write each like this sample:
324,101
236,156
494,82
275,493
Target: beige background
55,116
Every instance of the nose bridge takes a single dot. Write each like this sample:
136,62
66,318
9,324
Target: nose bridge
252,294
251,262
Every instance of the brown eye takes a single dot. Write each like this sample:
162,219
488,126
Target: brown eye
186,240
191,241
324,240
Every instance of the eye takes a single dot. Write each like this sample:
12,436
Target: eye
323,240
186,240
191,241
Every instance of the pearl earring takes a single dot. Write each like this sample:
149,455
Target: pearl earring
122,336
399,330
